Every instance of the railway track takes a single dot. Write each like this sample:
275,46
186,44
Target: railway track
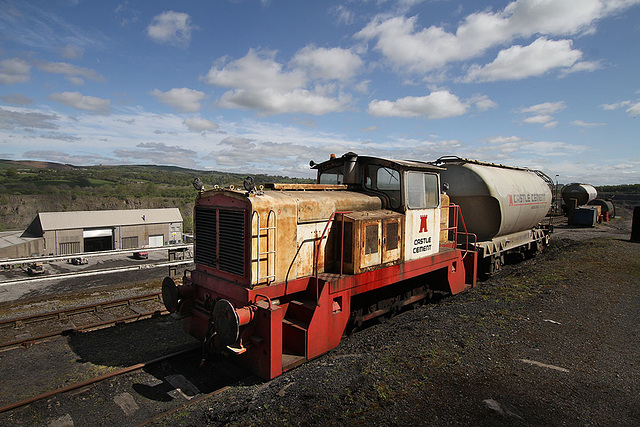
90,381
191,386
28,330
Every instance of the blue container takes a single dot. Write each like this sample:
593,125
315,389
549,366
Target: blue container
585,216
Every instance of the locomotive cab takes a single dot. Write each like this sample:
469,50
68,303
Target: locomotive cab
410,188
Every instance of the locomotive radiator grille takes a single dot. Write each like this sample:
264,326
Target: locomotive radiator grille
220,239
206,239
231,241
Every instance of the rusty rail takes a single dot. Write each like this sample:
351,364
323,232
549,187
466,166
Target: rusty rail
93,380
64,314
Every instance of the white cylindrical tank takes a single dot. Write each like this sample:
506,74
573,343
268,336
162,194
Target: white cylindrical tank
496,200
583,193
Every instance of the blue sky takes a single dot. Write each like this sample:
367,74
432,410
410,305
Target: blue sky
255,86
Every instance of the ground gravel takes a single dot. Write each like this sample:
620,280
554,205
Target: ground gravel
550,341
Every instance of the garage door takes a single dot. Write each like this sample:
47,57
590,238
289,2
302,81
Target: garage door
98,239
98,232
155,241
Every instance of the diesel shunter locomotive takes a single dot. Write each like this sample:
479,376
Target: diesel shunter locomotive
281,274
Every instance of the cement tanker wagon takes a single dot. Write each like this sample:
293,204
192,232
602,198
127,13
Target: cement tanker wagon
503,206
583,193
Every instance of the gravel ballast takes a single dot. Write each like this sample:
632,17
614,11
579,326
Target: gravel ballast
550,341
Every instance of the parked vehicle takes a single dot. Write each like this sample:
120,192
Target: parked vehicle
141,255
36,269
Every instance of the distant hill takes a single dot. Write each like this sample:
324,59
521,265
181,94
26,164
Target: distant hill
33,164
28,187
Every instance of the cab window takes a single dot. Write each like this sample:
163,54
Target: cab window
332,176
385,180
422,190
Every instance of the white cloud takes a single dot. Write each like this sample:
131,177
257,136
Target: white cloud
75,80
256,70
584,124
545,108
437,105
21,118
259,82
586,66
416,50
198,124
328,64
500,148
634,110
283,157
183,99
268,101
158,153
633,107
407,46
43,29
542,113
70,70
518,62
14,70
171,27
342,14
71,52
483,103
540,119
17,99
553,17
615,106
82,102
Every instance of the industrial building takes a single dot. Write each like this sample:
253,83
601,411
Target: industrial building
65,233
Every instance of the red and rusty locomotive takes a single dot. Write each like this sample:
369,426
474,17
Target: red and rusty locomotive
281,274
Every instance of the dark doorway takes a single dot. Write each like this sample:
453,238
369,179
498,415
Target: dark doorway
95,244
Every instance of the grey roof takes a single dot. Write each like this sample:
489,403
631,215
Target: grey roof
96,219
12,238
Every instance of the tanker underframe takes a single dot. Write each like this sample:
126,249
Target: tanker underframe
493,254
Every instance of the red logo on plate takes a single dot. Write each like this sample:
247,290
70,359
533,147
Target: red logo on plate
423,224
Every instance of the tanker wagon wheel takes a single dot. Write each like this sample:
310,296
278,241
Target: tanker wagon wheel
532,250
497,261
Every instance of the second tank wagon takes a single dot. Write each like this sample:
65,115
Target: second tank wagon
502,205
